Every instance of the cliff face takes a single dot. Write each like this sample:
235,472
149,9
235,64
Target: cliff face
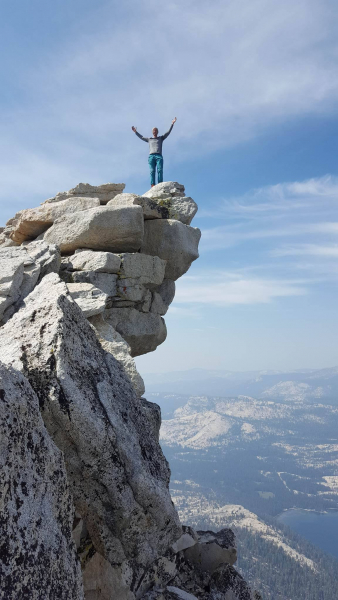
85,281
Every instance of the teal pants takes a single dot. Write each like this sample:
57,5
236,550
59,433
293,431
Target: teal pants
155,160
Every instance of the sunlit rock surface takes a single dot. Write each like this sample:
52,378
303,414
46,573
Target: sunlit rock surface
86,279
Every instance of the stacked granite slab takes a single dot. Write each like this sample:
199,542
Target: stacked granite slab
85,281
120,257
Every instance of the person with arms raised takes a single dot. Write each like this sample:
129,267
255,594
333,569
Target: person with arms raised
155,159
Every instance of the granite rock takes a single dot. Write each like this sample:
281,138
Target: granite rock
143,331
116,470
172,241
157,305
111,341
227,584
89,298
46,255
113,229
162,297
102,581
106,282
30,223
166,189
131,289
148,269
21,269
185,541
89,260
104,192
38,556
165,206
212,550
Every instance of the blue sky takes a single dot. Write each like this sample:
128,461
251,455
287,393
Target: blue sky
254,87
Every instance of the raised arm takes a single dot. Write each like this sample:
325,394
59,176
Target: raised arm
144,139
170,130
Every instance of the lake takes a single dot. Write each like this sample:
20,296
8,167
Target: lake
321,529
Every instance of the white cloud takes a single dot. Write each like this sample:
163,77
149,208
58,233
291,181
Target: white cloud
225,237
227,70
292,209
317,193
224,289
308,250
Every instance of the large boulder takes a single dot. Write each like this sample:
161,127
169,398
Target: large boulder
89,260
148,269
114,343
21,269
103,281
104,192
117,473
131,289
163,297
212,550
165,189
172,241
11,278
143,331
89,298
181,208
111,229
38,556
102,581
30,223
46,255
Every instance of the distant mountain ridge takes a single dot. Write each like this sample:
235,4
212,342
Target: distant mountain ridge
307,384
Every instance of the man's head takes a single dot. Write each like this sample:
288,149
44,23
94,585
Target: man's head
155,131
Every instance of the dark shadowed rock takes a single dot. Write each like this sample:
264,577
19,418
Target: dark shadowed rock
212,550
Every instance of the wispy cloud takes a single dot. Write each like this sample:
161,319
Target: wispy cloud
227,70
315,250
225,237
290,210
226,289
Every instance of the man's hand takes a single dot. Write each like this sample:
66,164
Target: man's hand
174,121
134,129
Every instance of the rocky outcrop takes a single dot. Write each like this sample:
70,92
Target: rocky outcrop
121,254
86,279
114,465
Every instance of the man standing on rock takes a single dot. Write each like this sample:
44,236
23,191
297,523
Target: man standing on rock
155,152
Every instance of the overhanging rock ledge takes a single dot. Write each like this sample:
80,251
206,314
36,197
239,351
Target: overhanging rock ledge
86,512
